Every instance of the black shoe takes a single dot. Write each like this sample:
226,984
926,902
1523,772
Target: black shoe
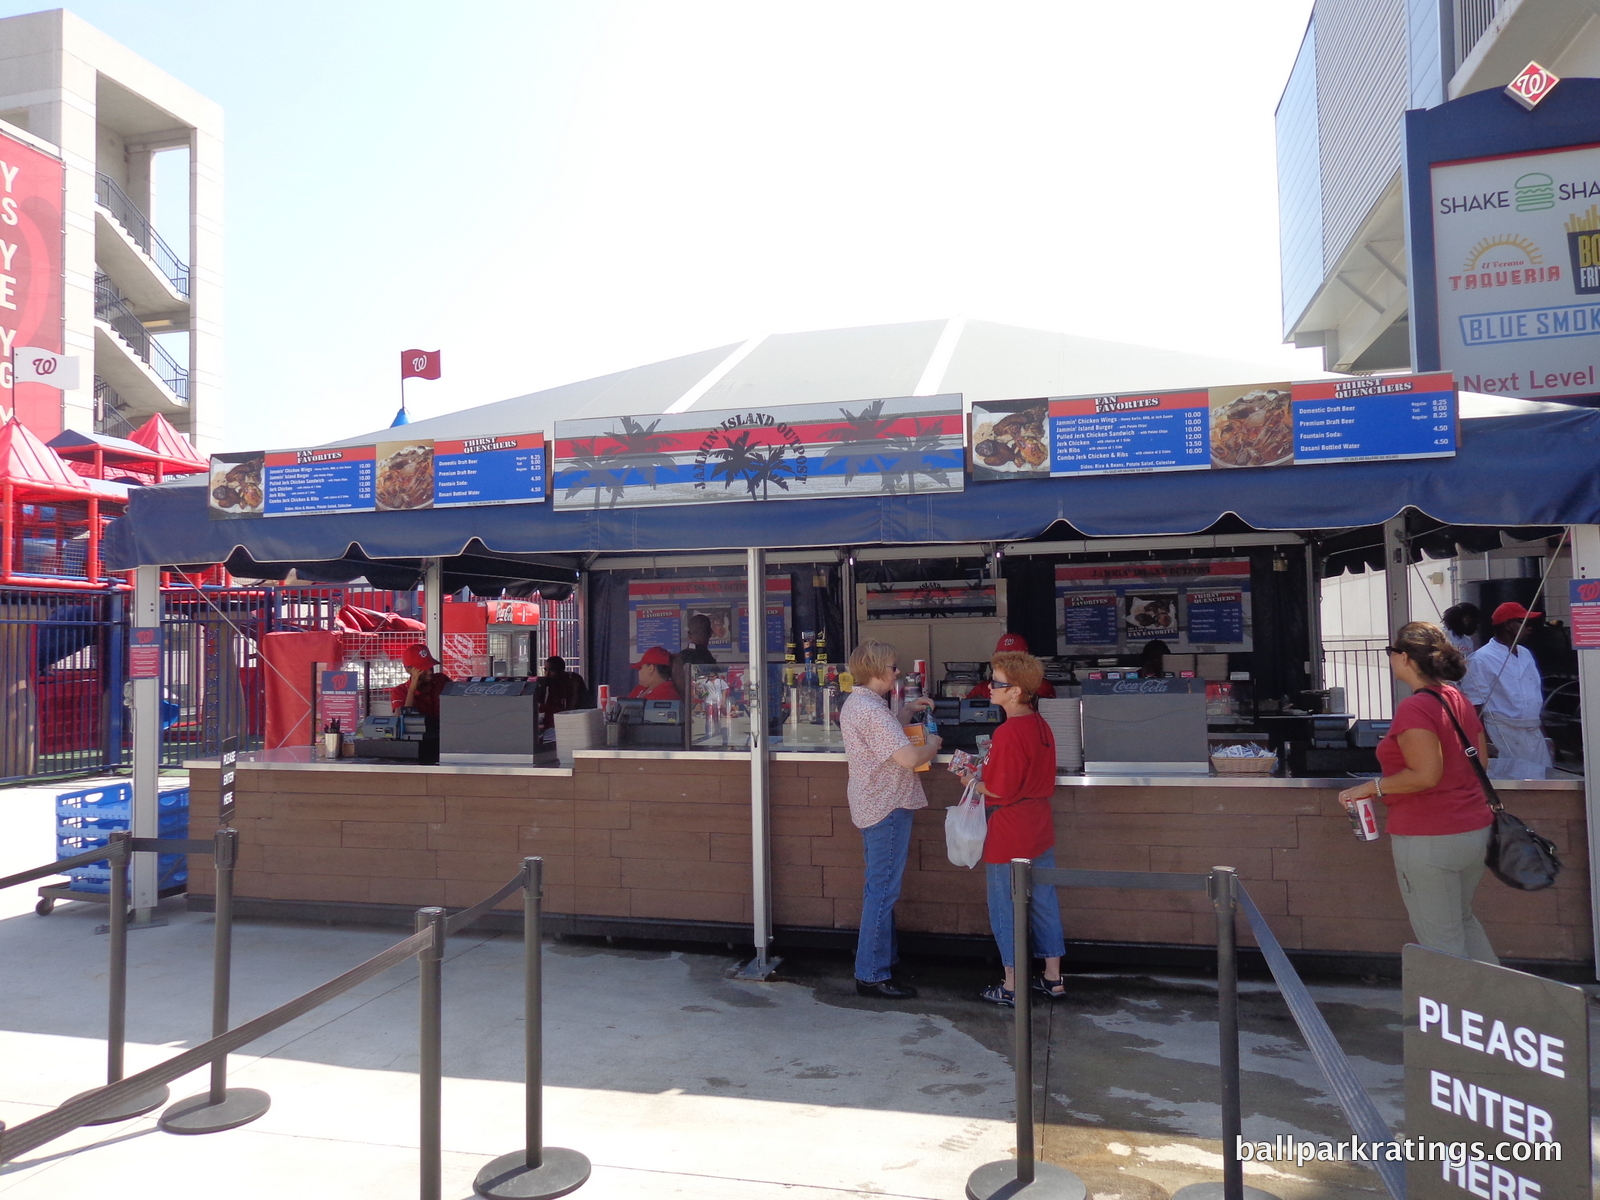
886,989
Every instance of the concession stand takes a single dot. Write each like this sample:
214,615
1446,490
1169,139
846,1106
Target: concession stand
770,539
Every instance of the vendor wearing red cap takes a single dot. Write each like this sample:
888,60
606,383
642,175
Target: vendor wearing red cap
1016,643
1504,683
655,676
421,692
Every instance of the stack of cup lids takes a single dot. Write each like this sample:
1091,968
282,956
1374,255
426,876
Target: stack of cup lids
1065,718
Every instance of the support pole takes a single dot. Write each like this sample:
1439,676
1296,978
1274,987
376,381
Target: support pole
537,1171
1397,589
433,606
219,1108
117,989
430,1054
762,965
1586,565
146,705
1023,1176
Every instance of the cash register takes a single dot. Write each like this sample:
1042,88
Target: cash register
398,736
651,723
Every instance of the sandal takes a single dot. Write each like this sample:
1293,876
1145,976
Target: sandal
1056,989
996,994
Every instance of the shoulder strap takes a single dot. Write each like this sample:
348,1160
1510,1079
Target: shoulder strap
1470,750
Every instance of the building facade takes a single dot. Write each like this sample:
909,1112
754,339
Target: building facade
68,90
1361,65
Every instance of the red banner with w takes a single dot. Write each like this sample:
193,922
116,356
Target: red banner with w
419,364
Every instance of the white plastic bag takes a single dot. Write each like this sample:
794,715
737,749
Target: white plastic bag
965,827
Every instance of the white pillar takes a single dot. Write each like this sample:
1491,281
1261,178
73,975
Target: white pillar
433,606
1397,586
760,808
146,705
1586,565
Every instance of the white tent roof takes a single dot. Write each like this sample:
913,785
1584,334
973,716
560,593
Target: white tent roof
980,359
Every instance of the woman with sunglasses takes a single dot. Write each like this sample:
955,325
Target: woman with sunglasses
1019,778
1438,820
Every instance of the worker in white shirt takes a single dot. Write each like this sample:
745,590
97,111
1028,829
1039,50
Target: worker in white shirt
1504,683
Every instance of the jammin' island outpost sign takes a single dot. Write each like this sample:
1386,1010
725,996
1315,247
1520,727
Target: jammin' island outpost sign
901,446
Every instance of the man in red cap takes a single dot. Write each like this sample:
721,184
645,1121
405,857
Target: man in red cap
1011,641
655,676
1504,683
421,692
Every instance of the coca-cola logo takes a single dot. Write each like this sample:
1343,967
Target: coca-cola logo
45,366
1140,685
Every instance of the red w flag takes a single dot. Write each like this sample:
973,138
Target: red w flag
419,364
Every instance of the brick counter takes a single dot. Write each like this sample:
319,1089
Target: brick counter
669,840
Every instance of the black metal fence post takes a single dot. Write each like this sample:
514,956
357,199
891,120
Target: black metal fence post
430,1060
537,1171
1225,899
119,852
1023,1176
219,1108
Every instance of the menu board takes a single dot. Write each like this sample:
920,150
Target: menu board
919,600
1190,604
1367,419
1362,420
297,482
489,470
1101,435
660,612
406,475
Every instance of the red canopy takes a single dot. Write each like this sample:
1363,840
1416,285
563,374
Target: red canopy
158,435
30,466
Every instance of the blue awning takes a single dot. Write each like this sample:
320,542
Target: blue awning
1536,468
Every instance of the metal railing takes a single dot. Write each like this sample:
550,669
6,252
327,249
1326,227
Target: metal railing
110,307
110,411
115,201
1361,668
1472,21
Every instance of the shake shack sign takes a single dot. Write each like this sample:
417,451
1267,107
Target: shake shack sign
889,447
1497,1082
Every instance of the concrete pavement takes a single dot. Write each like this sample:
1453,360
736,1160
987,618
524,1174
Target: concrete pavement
675,1080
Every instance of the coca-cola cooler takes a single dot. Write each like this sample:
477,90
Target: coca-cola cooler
1135,726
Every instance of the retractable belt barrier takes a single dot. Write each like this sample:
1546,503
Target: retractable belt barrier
535,1172
1026,1179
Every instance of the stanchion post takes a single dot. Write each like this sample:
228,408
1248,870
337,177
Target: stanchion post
1023,1176
430,1052
537,1171
1022,1030
220,1107
1225,899
119,852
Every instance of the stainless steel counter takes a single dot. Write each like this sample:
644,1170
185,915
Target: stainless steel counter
304,758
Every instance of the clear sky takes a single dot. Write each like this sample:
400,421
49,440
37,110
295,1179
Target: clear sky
548,190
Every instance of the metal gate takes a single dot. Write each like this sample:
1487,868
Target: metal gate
61,673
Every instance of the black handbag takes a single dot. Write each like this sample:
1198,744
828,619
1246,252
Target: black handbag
1518,856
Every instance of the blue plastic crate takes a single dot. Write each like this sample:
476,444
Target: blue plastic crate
171,870
115,803
86,819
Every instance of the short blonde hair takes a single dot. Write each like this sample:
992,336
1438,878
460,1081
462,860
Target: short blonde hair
1024,670
872,660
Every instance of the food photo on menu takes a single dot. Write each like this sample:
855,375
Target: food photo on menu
404,476
236,488
1009,439
1251,426
1151,616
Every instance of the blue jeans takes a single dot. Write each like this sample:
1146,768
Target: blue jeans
1044,913
886,845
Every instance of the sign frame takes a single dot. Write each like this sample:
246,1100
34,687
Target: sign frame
1482,125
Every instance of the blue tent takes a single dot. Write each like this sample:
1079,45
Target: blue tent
1520,464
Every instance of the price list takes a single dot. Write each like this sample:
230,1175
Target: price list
1089,619
1361,420
1109,435
489,470
319,481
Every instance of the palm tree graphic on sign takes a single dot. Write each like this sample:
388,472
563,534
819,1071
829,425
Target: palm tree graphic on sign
641,448
857,439
912,451
591,470
757,467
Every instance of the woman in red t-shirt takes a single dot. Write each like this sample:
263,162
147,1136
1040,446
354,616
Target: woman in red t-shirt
1019,777
1438,820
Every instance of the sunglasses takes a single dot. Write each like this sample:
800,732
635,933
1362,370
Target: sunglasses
999,685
